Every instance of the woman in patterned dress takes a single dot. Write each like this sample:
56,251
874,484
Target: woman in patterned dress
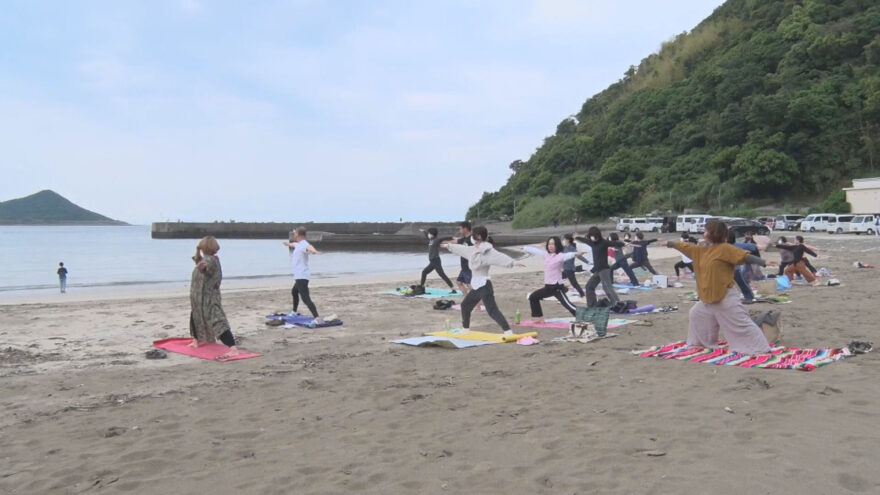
207,321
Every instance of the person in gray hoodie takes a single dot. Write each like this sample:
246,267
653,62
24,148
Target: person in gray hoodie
481,256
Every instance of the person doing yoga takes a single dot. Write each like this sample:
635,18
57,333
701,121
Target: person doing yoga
299,259
685,261
568,268
481,256
434,263
601,270
464,275
797,264
620,260
719,308
207,320
554,258
640,253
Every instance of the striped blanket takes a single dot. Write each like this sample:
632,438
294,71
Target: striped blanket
786,358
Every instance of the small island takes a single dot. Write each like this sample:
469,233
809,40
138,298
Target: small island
49,208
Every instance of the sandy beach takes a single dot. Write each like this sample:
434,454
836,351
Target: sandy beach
344,410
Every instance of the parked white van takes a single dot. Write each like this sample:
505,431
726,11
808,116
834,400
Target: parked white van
864,224
624,224
839,224
694,224
816,221
787,222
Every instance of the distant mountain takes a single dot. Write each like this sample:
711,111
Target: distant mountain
49,208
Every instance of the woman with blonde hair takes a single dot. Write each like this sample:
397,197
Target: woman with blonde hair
207,321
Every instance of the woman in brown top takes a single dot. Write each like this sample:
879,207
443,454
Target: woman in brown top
720,307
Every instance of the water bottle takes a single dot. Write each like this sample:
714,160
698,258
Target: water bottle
448,326
517,318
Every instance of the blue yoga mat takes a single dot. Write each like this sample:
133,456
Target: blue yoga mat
635,287
303,321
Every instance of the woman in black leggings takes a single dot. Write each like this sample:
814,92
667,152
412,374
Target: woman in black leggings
601,270
434,263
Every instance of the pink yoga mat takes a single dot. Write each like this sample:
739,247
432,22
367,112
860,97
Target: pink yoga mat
180,345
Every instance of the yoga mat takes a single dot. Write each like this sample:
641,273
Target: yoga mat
447,342
565,323
180,345
787,358
632,287
482,336
429,293
303,321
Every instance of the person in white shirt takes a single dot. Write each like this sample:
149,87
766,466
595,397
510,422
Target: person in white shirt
299,259
481,256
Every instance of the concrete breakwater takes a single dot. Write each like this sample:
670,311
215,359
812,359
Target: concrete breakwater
352,236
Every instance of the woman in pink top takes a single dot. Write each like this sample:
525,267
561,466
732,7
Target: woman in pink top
554,257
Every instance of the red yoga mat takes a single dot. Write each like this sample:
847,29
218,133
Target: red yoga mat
180,345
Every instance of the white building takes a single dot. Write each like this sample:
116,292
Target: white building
864,195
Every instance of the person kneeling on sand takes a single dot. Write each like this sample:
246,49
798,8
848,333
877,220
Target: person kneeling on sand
207,321
719,307
481,256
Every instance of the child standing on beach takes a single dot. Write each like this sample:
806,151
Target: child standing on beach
299,259
434,263
481,256
62,277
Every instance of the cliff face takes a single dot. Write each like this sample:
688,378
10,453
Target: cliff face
763,101
49,208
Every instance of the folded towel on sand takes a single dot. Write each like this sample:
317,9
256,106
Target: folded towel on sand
180,345
447,342
788,358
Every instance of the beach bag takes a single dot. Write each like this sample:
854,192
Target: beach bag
620,307
417,290
443,304
783,283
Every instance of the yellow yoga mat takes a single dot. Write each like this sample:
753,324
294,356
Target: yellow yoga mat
483,336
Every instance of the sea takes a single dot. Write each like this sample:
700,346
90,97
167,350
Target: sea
102,257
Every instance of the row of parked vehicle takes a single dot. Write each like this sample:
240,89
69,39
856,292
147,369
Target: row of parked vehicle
816,222
840,224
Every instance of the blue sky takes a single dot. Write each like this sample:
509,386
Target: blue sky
300,110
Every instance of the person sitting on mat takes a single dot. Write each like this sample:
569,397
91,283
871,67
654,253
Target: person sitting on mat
299,259
434,262
554,258
207,321
601,270
568,268
481,256
719,307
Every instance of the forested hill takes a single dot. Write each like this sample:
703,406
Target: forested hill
49,208
763,100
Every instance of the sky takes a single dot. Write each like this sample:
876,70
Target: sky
301,110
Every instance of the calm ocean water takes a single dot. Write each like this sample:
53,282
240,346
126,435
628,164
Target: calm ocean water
117,256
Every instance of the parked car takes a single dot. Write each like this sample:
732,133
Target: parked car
864,224
694,224
741,225
768,221
788,222
624,224
838,224
816,221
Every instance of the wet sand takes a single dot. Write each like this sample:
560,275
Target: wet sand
343,410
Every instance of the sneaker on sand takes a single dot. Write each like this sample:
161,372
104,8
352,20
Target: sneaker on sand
508,333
